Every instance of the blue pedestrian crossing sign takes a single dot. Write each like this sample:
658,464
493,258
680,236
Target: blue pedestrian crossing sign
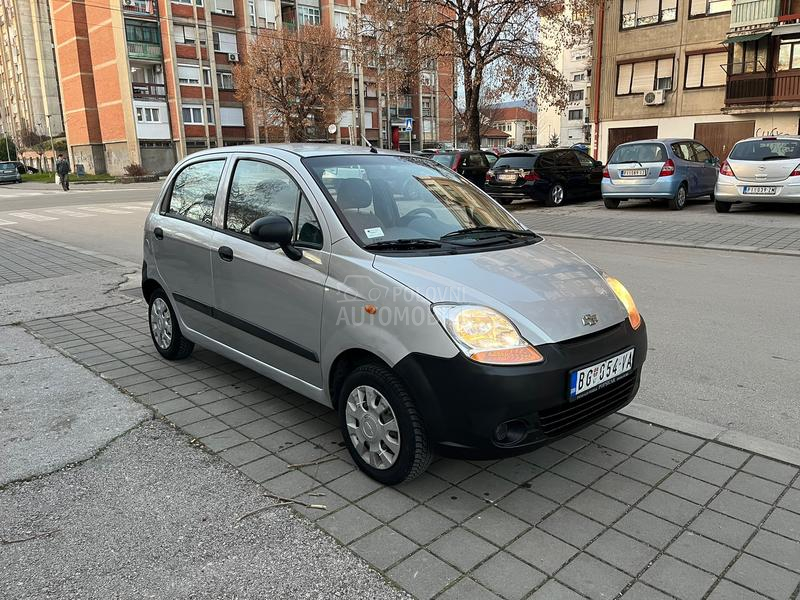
409,124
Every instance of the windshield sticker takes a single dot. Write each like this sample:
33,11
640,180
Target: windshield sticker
373,232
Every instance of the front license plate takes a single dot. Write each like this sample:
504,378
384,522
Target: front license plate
507,177
760,190
582,381
633,172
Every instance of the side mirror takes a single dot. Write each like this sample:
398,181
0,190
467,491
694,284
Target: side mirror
276,229
598,163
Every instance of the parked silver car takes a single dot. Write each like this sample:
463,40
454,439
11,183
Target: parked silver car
765,169
9,173
424,313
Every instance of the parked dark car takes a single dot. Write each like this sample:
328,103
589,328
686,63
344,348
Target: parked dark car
22,168
9,173
472,164
551,175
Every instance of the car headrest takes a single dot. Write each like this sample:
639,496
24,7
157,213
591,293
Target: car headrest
354,193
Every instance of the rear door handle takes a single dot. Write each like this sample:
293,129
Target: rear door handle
159,233
225,253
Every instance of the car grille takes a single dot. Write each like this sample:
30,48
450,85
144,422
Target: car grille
560,419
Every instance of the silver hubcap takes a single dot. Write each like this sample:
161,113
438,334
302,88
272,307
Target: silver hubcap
681,196
557,194
161,323
372,427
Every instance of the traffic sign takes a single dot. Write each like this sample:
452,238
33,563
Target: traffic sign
409,124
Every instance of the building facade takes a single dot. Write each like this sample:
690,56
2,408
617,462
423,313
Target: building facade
150,81
29,98
518,122
714,70
572,125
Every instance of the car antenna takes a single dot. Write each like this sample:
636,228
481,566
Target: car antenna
371,147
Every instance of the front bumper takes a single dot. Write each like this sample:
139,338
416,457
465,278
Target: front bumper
10,178
730,189
663,187
463,402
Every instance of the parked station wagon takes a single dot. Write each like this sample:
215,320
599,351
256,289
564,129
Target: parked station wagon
424,313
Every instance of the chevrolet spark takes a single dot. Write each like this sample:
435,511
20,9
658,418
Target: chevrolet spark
391,289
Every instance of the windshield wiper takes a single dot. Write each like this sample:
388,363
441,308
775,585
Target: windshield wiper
404,244
776,157
628,162
470,231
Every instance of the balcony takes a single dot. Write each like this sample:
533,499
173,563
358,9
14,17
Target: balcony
149,90
142,51
754,14
140,8
762,88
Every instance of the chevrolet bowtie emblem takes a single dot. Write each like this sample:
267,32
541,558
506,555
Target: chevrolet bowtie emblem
589,320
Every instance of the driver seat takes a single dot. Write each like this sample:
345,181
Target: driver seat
353,195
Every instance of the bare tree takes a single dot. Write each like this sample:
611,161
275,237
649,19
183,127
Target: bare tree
499,44
295,79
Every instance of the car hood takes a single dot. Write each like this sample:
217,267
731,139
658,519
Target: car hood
543,288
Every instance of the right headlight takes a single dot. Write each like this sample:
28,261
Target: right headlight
484,335
624,296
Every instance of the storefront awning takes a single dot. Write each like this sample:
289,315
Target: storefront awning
786,29
745,37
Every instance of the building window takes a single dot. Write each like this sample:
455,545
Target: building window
144,33
702,8
224,7
185,34
426,108
147,115
789,55
575,115
705,70
645,76
192,115
748,57
225,42
581,76
638,13
231,116
341,21
210,115
426,79
224,80
188,74
308,15
197,2
576,95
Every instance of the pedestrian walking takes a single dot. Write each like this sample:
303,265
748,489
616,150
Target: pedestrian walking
62,169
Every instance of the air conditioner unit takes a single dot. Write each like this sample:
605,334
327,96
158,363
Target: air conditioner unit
233,57
655,98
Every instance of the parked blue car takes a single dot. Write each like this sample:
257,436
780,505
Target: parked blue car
669,169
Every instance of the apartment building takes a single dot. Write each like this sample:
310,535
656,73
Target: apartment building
715,70
29,100
150,81
570,126
516,121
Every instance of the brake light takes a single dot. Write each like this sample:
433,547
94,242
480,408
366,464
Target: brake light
796,172
725,169
605,173
531,176
489,175
668,169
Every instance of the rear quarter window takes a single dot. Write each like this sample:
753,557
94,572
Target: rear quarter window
194,191
515,162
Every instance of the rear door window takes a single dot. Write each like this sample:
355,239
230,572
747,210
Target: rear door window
639,153
701,153
448,160
584,159
684,150
566,159
195,190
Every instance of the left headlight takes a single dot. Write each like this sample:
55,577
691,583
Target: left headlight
484,335
624,296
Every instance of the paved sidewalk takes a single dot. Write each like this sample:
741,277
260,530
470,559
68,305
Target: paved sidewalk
615,225
621,509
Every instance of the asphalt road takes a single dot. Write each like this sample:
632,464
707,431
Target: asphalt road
723,326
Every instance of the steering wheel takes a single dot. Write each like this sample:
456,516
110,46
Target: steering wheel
406,219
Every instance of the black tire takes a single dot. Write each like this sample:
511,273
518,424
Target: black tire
178,347
414,454
722,207
504,201
555,195
678,201
611,203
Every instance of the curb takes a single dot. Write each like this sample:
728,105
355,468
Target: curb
609,238
708,431
105,257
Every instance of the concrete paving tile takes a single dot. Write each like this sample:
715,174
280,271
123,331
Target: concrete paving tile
571,527
597,506
669,507
622,551
189,416
422,524
257,429
279,440
763,577
264,468
462,549
756,487
527,506
487,485
453,470
348,523
354,485
423,488
423,575
468,589
508,576
593,578
642,471
578,471
784,522
668,458
243,453
239,417
726,455
776,549
223,440
496,526
456,504
770,469
619,441
688,488
569,444
291,484
707,470
205,428
726,590
702,552
554,487
647,528
515,469
386,504
640,591
329,470
542,550
544,457
600,457
722,528
172,406
621,488
220,407
679,579
740,507
640,429
383,547
322,496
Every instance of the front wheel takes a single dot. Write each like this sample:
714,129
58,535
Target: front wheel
678,201
504,201
555,196
382,429
722,207
611,202
164,328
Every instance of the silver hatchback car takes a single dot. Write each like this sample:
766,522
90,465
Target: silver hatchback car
765,169
391,289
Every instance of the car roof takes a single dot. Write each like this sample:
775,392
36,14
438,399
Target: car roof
659,141
301,150
793,138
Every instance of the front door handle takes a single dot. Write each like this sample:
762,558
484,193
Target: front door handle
159,233
225,253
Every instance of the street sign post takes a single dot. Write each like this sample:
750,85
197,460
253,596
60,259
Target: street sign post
409,127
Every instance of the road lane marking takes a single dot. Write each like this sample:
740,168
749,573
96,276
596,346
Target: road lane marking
105,211
68,213
32,216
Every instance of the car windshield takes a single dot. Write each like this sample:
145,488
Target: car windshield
766,150
639,153
388,199
514,162
445,159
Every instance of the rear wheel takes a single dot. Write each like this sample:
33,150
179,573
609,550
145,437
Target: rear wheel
381,427
164,328
678,201
611,202
722,207
555,197
504,201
